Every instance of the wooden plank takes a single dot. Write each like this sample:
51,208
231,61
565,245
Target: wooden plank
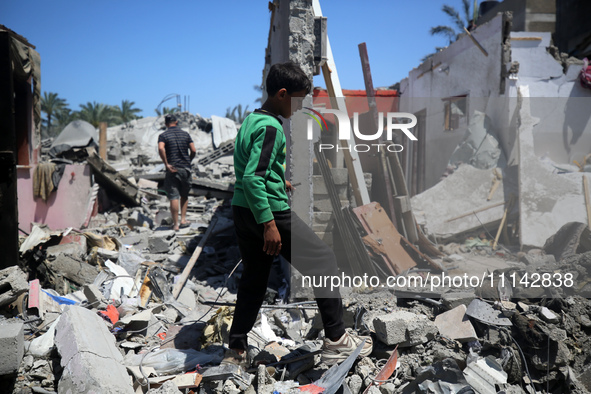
335,92
475,211
178,287
587,199
417,255
103,140
382,231
526,38
373,109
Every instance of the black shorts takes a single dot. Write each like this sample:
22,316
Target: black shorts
177,184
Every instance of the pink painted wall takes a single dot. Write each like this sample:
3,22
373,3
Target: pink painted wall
65,207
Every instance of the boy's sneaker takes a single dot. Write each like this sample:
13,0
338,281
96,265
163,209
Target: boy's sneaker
232,357
338,351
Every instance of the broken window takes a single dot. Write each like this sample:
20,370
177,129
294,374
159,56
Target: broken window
455,112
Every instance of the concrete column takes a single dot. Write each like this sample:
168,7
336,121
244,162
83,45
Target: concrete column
300,150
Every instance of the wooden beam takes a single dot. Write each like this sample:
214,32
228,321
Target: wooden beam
373,108
178,287
476,42
103,140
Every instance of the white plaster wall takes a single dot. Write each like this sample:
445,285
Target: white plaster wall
461,69
561,104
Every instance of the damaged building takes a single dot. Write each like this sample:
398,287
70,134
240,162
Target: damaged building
475,236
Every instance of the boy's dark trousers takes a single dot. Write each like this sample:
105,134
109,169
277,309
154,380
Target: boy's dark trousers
303,249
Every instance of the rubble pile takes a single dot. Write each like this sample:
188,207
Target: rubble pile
95,311
132,148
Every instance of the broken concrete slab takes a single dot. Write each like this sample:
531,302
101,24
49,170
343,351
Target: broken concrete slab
74,270
73,250
484,374
160,244
572,238
95,297
169,387
89,357
547,200
404,328
455,324
447,209
13,283
228,371
111,180
12,346
453,299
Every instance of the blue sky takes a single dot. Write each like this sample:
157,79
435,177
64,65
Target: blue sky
212,51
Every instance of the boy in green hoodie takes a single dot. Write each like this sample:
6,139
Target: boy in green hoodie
266,227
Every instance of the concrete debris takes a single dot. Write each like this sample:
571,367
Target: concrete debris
98,313
171,337
454,324
13,283
11,346
485,375
89,358
404,329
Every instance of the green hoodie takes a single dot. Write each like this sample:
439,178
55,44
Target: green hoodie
259,163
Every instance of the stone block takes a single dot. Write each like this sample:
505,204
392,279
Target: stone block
12,347
455,324
404,328
89,358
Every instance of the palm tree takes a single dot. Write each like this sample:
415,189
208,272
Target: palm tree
51,104
452,33
95,113
167,110
63,118
126,113
259,89
237,114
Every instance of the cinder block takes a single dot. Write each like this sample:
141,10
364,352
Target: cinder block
12,347
340,176
90,360
404,328
322,203
455,324
319,187
322,217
